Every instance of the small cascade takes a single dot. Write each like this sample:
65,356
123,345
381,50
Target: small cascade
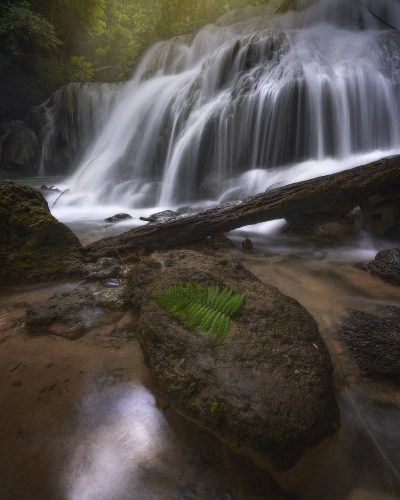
256,92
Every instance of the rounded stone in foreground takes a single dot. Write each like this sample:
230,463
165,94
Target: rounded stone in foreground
268,390
34,246
386,265
374,341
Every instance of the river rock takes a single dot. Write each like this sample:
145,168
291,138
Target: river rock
374,341
73,313
49,189
34,246
161,216
117,218
386,265
268,390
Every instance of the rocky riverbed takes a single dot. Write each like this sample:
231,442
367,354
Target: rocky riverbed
95,376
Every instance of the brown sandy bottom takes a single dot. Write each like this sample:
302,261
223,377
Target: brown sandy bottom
80,420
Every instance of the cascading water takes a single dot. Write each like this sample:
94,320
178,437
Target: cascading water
212,116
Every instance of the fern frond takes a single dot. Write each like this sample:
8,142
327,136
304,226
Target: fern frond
206,308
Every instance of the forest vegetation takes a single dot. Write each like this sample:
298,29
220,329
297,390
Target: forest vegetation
47,43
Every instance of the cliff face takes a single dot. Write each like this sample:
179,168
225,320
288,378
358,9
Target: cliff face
53,135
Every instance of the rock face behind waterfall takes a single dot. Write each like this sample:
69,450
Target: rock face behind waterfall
34,246
268,390
54,135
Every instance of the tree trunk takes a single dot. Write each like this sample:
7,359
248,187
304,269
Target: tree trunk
332,194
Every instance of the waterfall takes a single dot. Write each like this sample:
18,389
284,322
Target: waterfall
212,116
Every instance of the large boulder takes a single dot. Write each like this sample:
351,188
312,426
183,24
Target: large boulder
19,155
374,341
34,246
386,265
268,390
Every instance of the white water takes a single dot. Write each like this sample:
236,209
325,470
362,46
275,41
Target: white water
243,106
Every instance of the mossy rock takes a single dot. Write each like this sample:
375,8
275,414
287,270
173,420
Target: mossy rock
34,246
268,390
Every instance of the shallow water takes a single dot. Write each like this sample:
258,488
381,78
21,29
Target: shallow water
83,421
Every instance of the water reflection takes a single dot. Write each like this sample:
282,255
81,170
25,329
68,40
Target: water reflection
126,449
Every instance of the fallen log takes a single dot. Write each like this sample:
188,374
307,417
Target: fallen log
332,194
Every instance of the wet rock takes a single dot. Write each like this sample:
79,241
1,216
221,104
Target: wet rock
374,341
34,246
117,218
104,269
49,189
19,151
73,313
187,210
161,216
268,390
323,228
386,265
247,245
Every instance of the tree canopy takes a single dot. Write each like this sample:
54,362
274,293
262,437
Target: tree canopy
46,43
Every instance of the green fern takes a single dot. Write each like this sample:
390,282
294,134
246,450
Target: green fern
207,308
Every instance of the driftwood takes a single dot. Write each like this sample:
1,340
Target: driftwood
332,194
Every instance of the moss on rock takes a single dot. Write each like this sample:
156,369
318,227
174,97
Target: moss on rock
34,246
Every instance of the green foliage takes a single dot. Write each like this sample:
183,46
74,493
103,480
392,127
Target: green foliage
22,29
81,69
47,43
207,308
